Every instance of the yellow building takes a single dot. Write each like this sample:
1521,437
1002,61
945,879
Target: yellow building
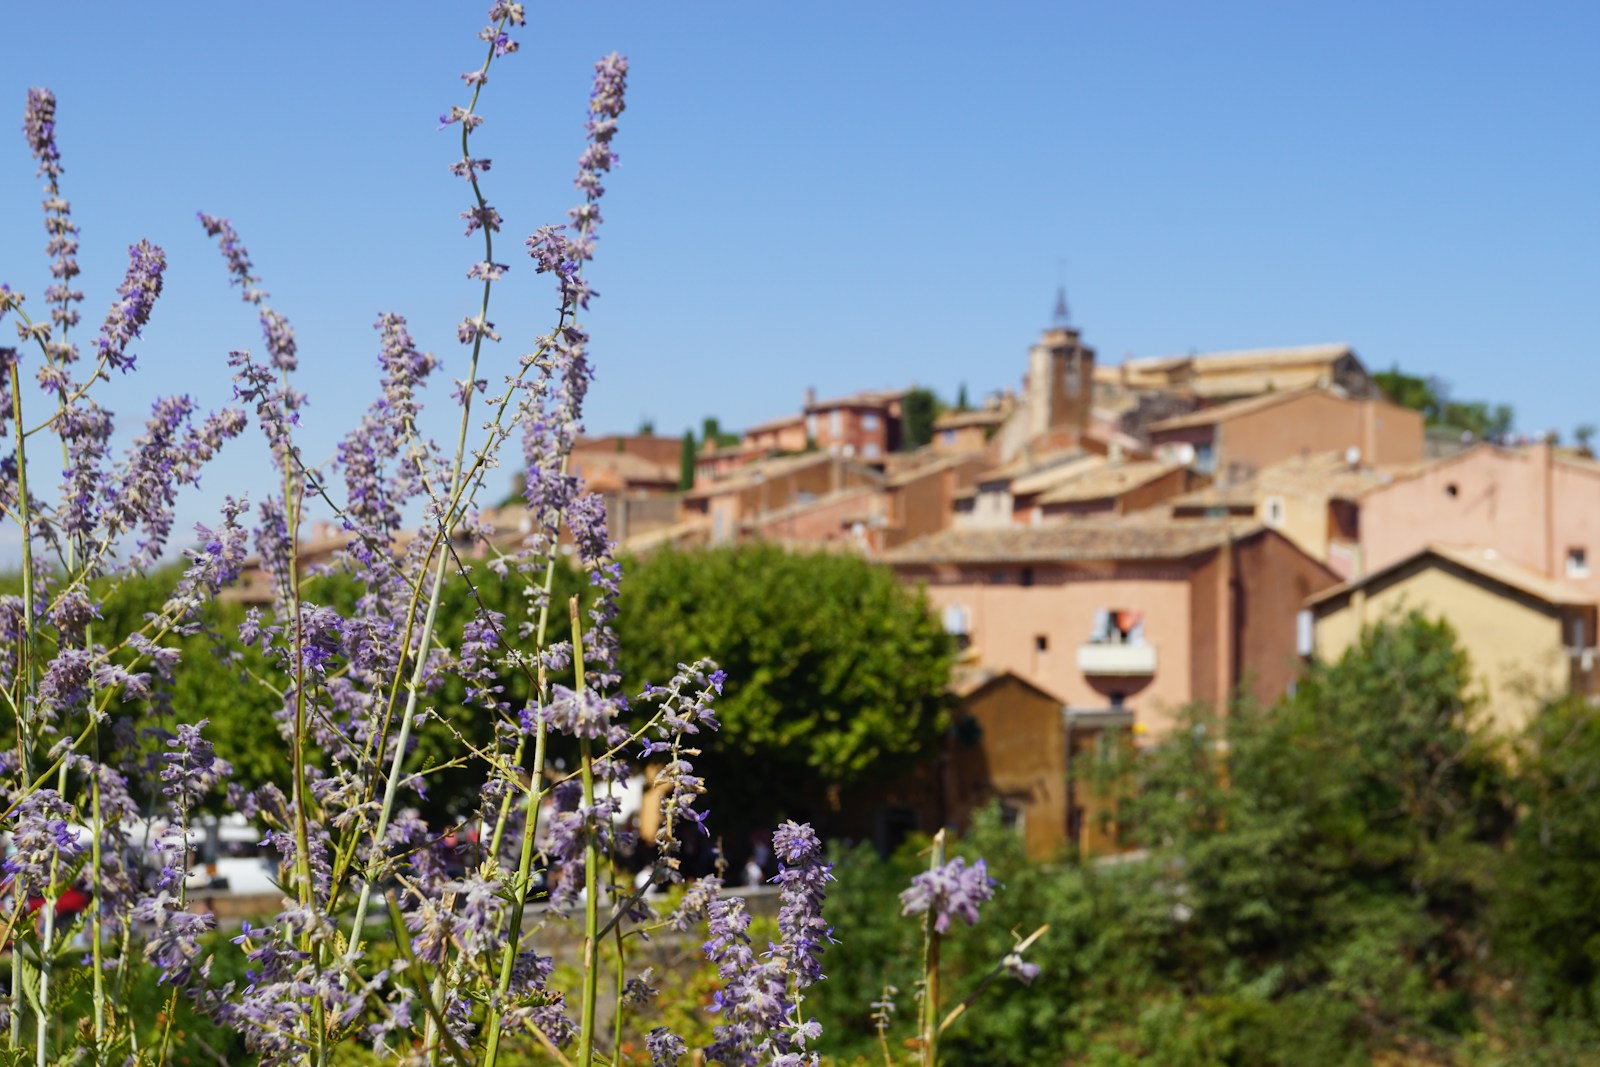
1529,638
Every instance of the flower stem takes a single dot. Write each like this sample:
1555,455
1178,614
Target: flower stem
591,872
930,970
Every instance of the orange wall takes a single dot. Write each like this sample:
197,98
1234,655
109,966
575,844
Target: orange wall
1320,422
1276,578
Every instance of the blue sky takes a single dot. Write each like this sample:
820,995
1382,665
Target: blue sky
844,195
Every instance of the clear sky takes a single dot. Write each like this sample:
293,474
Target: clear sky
843,195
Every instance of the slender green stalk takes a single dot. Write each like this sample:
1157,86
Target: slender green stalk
622,985
25,508
533,796
24,720
930,970
97,950
42,1023
457,472
591,873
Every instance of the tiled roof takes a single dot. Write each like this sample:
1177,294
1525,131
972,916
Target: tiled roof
866,498
1237,495
954,420
778,423
1246,359
624,464
1107,481
866,398
752,474
1084,541
1484,561
1328,474
1223,412
909,474
1034,474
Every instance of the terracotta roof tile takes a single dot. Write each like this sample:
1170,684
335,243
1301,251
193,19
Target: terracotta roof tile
1086,540
1107,481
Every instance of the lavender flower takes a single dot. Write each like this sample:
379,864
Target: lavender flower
140,288
761,994
954,890
803,876
39,126
238,258
192,768
665,1047
1019,968
41,840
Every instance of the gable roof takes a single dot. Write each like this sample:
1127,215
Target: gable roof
1486,563
751,474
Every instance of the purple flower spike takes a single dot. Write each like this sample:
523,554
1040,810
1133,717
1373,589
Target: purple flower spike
39,126
954,890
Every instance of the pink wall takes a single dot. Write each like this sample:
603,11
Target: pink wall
1527,505
1575,487
1004,620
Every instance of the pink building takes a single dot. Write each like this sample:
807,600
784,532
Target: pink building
1536,506
1141,615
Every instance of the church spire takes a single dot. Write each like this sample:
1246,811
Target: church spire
1061,318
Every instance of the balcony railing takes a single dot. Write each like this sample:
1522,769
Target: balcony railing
1116,660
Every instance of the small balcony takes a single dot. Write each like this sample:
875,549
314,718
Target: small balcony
1098,659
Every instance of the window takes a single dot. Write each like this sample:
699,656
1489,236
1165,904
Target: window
997,577
1027,572
947,436
956,619
1578,637
811,427
1205,458
1272,511
1118,698
1118,626
1041,642
1303,632
869,421
1452,490
957,624
1577,562
836,423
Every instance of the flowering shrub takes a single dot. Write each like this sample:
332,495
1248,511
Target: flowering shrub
384,940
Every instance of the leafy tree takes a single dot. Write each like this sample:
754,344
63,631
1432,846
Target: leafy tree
711,433
918,409
1431,396
836,671
1548,910
686,456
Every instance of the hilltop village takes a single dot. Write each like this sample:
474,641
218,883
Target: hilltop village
1108,544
